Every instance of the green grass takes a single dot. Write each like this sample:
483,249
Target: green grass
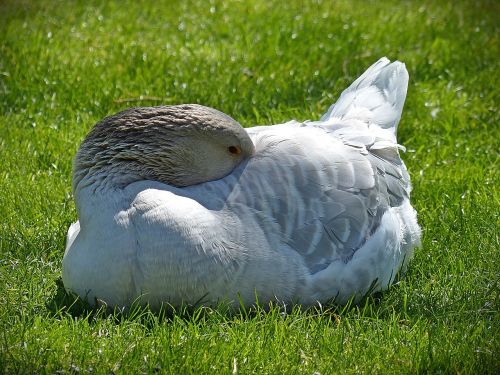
66,64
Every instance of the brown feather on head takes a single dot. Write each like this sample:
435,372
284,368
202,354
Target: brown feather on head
179,145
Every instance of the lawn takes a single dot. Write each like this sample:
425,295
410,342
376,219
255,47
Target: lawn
66,64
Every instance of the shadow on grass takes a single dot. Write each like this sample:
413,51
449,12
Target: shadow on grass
64,304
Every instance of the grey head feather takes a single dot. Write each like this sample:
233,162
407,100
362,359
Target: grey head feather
179,145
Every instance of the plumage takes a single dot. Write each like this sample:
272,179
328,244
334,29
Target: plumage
310,212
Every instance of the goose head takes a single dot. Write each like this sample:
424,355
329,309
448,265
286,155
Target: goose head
178,145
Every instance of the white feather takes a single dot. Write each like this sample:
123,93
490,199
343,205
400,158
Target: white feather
320,212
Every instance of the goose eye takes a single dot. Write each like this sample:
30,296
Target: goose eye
235,150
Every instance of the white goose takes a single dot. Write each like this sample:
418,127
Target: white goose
180,204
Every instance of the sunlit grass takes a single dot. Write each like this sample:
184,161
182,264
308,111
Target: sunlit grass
66,64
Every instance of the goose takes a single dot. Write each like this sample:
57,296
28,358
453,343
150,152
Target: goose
182,205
